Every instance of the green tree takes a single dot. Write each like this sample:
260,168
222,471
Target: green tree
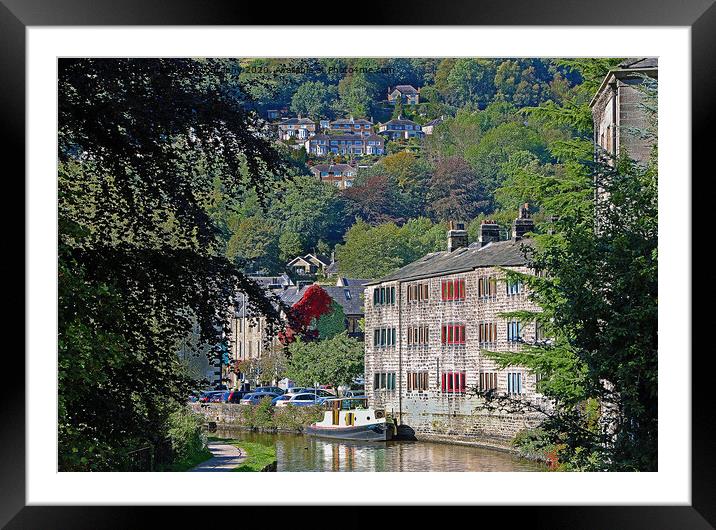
331,323
359,95
140,255
290,245
314,99
471,82
310,208
254,246
336,361
598,288
454,191
373,252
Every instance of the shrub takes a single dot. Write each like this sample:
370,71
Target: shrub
296,418
188,441
262,414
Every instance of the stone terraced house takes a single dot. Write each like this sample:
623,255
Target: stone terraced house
427,325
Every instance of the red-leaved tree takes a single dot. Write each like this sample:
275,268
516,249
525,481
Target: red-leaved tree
314,303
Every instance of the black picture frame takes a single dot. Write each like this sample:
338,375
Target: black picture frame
699,15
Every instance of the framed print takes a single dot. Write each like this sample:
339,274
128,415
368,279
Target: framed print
429,251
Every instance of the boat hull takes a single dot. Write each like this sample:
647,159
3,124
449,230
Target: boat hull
376,432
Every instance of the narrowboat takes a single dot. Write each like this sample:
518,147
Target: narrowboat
352,419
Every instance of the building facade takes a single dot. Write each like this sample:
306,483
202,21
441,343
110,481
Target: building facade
407,94
351,126
427,327
340,175
345,144
298,128
617,110
400,129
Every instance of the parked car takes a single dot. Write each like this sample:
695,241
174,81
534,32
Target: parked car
285,397
205,397
255,397
354,393
295,390
300,400
235,396
320,392
216,397
271,389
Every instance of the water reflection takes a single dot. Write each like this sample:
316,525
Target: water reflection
295,452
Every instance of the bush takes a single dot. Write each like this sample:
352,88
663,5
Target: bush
535,444
296,418
188,441
262,414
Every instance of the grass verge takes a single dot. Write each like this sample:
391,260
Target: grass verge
258,456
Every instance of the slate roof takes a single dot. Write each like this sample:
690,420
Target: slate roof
335,168
644,62
343,121
406,89
401,121
352,303
292,294
354,281
501,253
332,268
297,121
436,121
350,298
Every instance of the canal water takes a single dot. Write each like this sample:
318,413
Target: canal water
296,452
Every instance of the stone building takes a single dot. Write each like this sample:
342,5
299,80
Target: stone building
427,325
618,113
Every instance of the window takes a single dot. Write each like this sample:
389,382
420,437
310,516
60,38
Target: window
384,381
417,292
488,381
384,337
453,382
487,287
417,381
539,331
514,383
514,331
384,295
487,332
453,289
453,334
514,287
417,335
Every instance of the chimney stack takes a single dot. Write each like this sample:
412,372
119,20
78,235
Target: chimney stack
524,223
489,232
457,236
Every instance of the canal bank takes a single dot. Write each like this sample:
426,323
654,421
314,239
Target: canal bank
300,453
240,419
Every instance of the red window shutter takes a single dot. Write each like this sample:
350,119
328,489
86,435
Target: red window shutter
443,334
442,286
462,382
443,383
450,339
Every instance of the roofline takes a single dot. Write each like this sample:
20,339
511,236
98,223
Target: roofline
444,273
614,72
